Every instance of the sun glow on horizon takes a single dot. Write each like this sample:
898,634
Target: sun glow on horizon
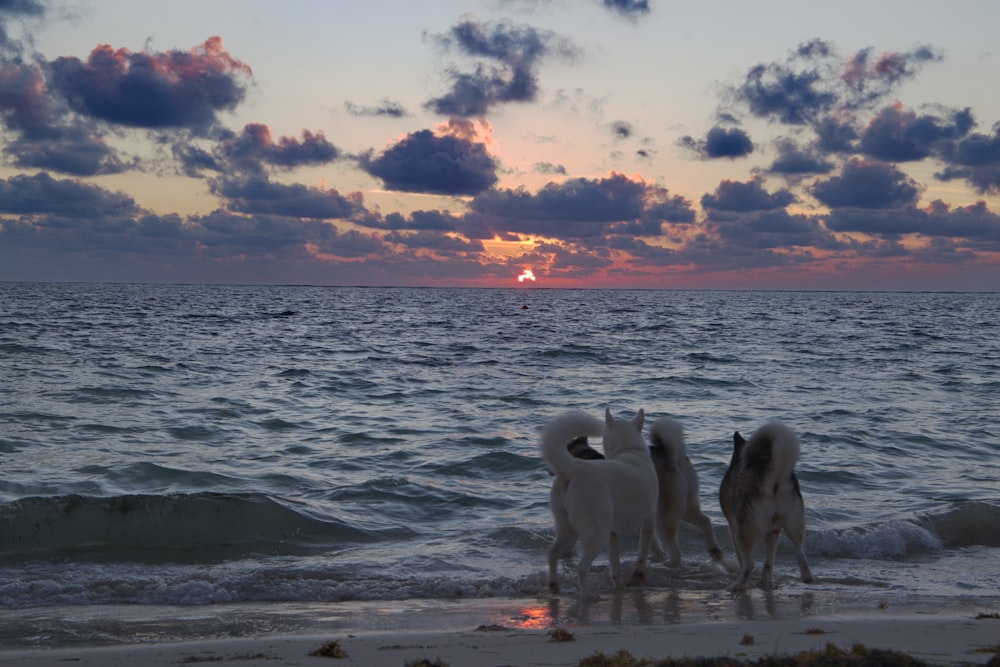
527,274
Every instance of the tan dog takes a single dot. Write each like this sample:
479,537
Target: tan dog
597,500
760,496
678,498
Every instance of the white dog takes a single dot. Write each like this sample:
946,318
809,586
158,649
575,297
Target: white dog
597,500
678,491
760,496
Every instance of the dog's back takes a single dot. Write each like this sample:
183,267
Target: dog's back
678,498
760,496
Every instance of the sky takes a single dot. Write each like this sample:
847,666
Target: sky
702,144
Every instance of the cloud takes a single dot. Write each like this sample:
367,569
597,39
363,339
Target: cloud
975,158
720,142
46,135
255,145
253,151
621,129
793,162
897,135
582,207
973,227
549,168
814,81
259,195
631,9
512,54
17,10
75,151
868,185
172,89
869,78
383,108
749,196
424,162
40,194
793,92
770,229
440,243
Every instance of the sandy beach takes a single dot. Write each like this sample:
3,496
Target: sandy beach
522,633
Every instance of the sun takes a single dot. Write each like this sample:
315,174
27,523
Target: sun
527,274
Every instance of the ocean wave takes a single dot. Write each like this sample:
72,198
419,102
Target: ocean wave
963,525
163,526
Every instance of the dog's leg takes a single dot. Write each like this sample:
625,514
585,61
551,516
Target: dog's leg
614,561
668,530
743,540
588,553
704,524
795,528
770,551
563,542
646,539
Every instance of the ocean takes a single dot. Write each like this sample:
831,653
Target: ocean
295,457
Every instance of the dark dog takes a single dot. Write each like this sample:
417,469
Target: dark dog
760,496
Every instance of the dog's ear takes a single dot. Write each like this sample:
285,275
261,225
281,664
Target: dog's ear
608,419
639,420
738,440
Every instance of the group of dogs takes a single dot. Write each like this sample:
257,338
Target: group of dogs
634,488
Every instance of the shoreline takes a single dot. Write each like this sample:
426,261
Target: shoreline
512,632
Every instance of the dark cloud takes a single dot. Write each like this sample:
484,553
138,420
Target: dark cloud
870,78
423,162
16,10
258,195
45,135
255,145
253,151
440,243
631,9
793,162
581,208
742,197
42,194
973,226
662,207
868,185
24,104
512,52
194,160
814,81
172,89
549,168
720,142
793,92
382,108
975,158
772,229
897,135
577,200
621,129
835,135
418,220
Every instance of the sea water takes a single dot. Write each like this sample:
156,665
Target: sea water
209,447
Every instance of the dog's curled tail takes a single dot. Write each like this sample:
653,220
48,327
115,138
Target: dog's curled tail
560,432
667,436
776,447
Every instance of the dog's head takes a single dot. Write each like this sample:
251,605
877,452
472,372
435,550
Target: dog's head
622,434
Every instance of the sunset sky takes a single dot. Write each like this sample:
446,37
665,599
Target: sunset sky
593,143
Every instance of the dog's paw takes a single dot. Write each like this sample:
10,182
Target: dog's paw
637,579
